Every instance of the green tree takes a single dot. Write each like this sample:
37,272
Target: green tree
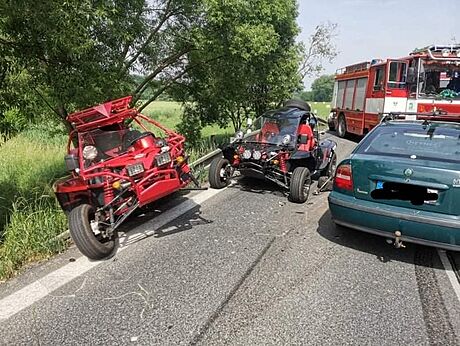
322,88
252,62
306,95
80,52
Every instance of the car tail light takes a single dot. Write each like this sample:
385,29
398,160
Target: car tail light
343,178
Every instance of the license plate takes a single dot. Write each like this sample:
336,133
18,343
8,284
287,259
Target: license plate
163,159
379,185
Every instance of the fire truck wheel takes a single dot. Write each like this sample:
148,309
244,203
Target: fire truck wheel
219,173
299,187
341,127
91,245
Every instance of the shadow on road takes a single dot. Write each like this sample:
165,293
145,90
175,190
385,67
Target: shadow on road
376,245
259,186
143,224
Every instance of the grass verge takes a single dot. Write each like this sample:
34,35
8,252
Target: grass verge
29,214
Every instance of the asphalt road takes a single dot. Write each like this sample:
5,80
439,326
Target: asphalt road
243,267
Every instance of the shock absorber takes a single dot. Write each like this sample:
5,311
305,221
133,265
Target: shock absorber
108,192
283,166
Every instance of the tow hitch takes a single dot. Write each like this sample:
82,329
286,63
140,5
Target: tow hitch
397,241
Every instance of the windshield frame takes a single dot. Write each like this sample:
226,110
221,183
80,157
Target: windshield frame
432,73
283,124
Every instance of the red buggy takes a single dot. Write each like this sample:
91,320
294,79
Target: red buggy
119,160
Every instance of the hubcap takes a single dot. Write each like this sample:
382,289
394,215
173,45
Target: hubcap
306,187
341,127
224,173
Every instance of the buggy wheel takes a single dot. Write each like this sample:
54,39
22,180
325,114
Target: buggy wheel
299,188
331,166
219,174
91,245
341,126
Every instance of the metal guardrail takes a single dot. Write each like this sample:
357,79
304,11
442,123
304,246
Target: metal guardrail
206,160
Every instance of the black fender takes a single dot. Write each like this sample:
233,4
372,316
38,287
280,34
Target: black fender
327,147
228,152
302,159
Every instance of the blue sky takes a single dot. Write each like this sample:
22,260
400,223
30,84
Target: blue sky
382,28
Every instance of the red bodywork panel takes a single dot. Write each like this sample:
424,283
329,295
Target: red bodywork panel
307,138
431,107
105,180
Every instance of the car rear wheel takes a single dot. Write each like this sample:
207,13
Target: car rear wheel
89,241
219,173
341,127
299,188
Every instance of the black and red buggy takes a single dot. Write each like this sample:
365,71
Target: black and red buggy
282,146
119,160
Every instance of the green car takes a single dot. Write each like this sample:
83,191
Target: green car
402,181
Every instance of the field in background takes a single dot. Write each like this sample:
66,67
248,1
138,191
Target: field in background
169,114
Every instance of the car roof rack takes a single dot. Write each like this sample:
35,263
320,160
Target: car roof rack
437,115
105,114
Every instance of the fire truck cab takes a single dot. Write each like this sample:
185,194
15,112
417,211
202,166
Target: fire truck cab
426,81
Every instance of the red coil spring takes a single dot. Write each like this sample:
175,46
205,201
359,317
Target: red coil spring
108,193
283,166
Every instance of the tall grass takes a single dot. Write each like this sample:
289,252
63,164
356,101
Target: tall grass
29,214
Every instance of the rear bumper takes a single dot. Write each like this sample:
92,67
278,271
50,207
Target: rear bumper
425,228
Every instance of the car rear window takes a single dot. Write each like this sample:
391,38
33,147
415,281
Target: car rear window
438,142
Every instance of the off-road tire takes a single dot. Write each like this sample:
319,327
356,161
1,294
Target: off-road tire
83,236
298,104
216,181
299,188
341,126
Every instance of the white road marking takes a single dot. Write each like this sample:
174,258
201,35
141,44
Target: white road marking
450,272
39,289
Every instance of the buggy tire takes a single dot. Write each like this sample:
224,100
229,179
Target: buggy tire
331,167
83,236
298,104
216,180
299,188
341,126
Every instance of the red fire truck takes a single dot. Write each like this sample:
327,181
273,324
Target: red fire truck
426,81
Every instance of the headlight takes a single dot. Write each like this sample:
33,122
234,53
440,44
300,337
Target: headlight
247,154
239,135
135,169
89,152
256,155
286,139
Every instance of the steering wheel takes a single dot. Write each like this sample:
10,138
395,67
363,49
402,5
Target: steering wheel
143,135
